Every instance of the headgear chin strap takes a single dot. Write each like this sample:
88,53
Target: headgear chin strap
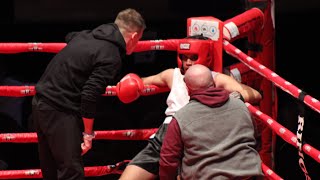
195,47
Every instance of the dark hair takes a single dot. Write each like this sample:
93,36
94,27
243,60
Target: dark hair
198,36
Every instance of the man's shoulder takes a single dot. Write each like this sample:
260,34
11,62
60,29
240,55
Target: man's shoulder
171,70
168,72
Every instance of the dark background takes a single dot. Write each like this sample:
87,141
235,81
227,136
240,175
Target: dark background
50,20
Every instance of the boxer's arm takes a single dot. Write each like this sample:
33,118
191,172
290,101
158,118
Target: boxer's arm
162,79
253,96
230,84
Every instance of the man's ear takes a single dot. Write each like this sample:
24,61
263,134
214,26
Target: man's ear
134,35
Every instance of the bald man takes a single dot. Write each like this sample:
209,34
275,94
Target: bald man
212,137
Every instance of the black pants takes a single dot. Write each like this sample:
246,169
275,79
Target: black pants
59,140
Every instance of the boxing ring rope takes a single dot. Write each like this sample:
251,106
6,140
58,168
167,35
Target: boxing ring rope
293,91
20,47
144,134
272,76
89,171
171,45
18,91
13,48
98,171
269,173
21,91
128,134
283,132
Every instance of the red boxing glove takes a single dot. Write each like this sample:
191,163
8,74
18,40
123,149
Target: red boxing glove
129,88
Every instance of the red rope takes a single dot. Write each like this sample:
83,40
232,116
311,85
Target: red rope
21,91
284,133
89,171
130,134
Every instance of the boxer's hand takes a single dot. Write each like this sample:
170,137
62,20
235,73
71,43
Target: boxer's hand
129,88
87,142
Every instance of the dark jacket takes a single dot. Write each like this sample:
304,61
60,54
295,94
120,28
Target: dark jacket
80,72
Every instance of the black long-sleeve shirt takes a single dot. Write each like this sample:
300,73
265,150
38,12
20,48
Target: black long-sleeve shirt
80,72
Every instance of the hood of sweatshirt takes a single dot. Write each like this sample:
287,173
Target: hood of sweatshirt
109,32
212,96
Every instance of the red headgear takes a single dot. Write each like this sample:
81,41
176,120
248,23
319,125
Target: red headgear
196,47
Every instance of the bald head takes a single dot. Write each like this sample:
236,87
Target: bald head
198,77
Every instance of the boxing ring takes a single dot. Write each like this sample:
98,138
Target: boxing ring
238,27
